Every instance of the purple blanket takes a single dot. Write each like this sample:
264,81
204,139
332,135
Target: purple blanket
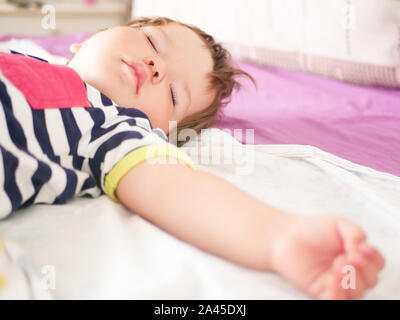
357,123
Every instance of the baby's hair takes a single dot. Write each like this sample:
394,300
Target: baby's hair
222,78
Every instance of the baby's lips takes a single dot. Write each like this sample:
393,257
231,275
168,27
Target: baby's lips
140,72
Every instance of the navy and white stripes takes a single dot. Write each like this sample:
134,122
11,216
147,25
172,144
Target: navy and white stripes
52,155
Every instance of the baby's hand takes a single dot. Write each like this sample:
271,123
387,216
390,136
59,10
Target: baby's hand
313,252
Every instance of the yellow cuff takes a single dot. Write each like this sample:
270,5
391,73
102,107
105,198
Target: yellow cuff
137,156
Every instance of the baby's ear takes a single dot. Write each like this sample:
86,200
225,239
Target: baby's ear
74,48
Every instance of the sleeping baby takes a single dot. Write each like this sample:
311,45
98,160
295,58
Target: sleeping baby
100,125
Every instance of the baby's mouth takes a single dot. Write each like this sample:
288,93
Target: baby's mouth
138,72
132,76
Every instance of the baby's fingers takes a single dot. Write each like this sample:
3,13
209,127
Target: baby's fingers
352,235
367,270
355,277
335,290
373,255
327,285
344,281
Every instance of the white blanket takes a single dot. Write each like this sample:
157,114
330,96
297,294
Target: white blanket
94,248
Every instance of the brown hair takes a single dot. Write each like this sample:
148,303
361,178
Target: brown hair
222,78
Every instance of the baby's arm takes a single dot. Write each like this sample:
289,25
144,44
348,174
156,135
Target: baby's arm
204,210
214,215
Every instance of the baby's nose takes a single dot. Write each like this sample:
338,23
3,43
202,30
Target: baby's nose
157,68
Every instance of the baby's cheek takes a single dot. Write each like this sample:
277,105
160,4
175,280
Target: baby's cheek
159,119
160,111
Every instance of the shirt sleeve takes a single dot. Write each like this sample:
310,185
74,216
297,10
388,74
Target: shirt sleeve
119,145
140,154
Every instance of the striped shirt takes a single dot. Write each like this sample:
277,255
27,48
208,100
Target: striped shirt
61,138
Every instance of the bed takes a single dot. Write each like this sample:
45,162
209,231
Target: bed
320,146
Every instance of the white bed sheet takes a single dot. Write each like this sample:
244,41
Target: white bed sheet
100,250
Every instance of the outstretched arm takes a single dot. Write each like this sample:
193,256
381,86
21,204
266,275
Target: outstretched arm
216,216
204,210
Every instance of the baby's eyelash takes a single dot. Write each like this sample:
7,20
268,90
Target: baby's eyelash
150,39
173,96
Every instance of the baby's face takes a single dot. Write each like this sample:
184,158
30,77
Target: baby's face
174,61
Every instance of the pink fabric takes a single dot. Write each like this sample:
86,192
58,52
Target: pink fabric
357,123
44,85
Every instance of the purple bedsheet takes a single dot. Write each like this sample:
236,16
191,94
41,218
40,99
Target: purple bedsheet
357,123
